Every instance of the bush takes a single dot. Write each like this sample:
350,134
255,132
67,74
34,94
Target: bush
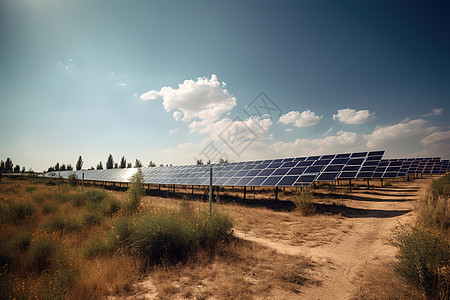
49,208
73,180
304,202
42,254
92,219
168,236
136,191
434,205
424,258
19,212
95,247
58,223
30,189
22,242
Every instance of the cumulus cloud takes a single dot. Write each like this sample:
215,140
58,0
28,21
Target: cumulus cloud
172,131
204,99
351,116
341,142
122,84
305,119
412,130
435,112
440,137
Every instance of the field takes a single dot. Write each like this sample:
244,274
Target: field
58,242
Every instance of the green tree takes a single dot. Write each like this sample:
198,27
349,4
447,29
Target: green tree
199,162
116,165
79,163
223,161
152,164
57,167
129,165
136,190
138,164
123,162
63,167
2,167
8,165
100,166
110,162
69,167
17,169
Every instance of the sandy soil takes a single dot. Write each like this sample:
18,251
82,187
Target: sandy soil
359,240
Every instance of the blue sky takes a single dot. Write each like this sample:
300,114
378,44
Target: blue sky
169,81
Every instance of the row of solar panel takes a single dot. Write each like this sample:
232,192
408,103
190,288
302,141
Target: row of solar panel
301,171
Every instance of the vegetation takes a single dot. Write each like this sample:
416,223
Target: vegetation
304,202
110,162
79,164
136,190
424,250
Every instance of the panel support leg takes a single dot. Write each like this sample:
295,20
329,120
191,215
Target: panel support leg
276,193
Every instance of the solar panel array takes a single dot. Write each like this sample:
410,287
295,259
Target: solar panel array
299,171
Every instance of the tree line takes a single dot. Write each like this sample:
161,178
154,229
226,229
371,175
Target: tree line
8,167
110,164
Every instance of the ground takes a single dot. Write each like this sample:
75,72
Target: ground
340,253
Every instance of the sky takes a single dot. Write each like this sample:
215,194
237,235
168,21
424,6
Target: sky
176,81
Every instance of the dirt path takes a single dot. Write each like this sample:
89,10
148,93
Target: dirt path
360,239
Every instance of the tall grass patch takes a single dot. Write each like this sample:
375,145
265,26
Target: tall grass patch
168,236
18,212
423,260
304,202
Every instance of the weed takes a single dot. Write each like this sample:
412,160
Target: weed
424,260
42,254
19,212
30,189
136,191
22,242
304,202
49,208
58,223
95,247
92,218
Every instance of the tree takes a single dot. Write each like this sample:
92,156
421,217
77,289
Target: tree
51,169
2,167
63,167
69,167
116,165
57,167
136,190
123,162
79,163
223,161
151,164
23,170
138,164
92,168
129,165
110,162
8,165
100,166
17,169
199,162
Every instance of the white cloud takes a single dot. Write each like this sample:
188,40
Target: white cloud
305,119
351,116
328,131
177,115
67,65
122,84
412,130
440,137
341,142
205,99
172,131
289,129
435,112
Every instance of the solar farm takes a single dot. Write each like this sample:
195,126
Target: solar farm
283,172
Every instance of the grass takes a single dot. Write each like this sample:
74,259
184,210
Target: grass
19,212
304,202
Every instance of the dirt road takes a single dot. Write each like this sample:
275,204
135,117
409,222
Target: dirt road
360,238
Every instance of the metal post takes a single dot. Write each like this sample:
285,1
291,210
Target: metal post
82,182
276,193
192,192
381,182
245,192
350,184
368,186
210,189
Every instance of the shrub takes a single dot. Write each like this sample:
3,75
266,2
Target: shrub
95,247
42,254
95,196
136,191
49,208
19,212
434,205
73,180
92,218
58,223
22,242
30,189
304,202
50,183
424,258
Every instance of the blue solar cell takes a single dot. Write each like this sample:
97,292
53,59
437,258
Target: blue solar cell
313,158
359,154
232,181
305,178
375,153
241,173
256,181
296,171
333,168
314,169
271,181
244,181
328,156
390,174
305,163
287,180
266,172
299,158
322,162
365,174
377,175
327,176
339,161
275,165
367,169
289,164
221,181
351,168
345,155
282,171
393,169
348,175
248,167
355,161
371,163
253,172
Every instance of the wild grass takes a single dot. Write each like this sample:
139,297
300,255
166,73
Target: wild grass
304,202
